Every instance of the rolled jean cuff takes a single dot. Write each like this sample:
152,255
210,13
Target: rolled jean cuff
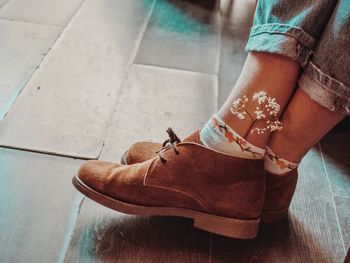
325,90
281,39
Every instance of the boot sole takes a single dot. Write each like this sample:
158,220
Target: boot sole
230,227
268,217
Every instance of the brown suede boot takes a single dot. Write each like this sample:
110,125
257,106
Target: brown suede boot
279,188
223,194
278,196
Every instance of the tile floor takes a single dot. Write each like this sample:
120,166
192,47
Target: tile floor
84,79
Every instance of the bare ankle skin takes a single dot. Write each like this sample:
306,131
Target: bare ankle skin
302,128
274,74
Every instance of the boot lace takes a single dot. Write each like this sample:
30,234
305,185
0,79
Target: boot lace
170,143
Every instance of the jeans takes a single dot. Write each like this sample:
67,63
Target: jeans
316,33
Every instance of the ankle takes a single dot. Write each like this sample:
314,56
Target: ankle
288,144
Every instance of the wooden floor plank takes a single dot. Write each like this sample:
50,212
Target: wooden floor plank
182,35
38,203
22,48
237,18
343,210
336,152
66,106
3,3
310,235
49,12
103,235
157,98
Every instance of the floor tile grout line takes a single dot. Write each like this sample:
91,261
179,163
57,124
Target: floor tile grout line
142,33
217,89
217,70
221,22
331,191
78,202
76,157
54,43
220,25
176,69
30,22
103,144
4,4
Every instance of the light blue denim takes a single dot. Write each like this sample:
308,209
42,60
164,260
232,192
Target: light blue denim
316,33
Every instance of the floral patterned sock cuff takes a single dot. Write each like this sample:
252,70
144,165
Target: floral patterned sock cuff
276,165
217,135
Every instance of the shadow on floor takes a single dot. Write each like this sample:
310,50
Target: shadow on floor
191,16
336,152
144,239
175,240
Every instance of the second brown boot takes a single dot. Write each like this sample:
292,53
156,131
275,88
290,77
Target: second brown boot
279,188
279,193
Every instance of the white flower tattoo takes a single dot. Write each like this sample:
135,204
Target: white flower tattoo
260,96
259,114
238,107
266,109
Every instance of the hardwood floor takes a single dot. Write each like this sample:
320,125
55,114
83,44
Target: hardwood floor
86,79
300,238
38,205
104,235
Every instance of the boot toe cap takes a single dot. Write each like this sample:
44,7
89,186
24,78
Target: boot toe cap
95,173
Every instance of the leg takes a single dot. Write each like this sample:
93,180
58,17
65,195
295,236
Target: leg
302,128
324,91
321,101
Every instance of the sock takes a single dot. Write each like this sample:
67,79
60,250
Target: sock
276,165
217,135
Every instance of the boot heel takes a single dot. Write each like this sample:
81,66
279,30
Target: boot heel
270,217
230,227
